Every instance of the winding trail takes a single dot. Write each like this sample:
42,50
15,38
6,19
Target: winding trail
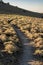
27,52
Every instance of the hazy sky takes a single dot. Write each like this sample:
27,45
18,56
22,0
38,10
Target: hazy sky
32,5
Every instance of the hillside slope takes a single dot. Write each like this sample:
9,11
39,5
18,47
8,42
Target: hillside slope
6,8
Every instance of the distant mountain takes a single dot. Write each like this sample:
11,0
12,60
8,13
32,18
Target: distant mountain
6,8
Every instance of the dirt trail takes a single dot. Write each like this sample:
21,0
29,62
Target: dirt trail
27,52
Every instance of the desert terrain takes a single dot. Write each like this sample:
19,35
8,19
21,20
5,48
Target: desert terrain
10,43
21,36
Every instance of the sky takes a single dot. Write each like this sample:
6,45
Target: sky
31,5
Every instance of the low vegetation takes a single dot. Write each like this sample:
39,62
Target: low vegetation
32,28
8,38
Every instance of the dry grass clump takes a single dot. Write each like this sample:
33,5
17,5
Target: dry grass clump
38,44
35,62
3,37
10,47
28,34
0,31
39,39
9,31
38,52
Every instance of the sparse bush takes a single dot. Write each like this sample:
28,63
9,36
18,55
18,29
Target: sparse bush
3,37
10,47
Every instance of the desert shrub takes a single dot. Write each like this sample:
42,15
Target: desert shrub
10,47
3,37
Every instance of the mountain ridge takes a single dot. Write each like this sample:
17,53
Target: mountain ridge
6,8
